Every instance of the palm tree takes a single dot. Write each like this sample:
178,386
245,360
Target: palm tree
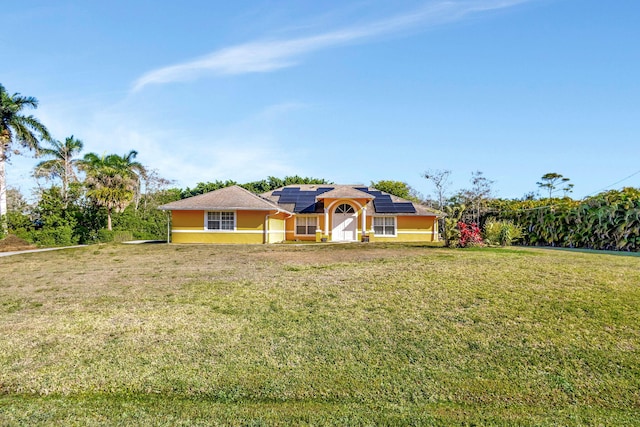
112,181
27,131
62,164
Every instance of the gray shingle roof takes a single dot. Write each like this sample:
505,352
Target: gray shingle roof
237,198
232,198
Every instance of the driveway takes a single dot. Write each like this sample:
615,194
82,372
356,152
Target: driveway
38,250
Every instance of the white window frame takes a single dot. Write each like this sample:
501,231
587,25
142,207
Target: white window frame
306,218
385,226
345,208
221,220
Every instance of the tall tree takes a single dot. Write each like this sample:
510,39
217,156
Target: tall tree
16,128
440,180
112,181
62,163
477,195
397,188
550,182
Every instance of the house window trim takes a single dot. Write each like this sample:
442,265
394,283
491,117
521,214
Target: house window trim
213,230
349,210
384,226
306,218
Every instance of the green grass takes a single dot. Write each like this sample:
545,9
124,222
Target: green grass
363,334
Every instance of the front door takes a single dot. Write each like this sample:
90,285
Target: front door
344,224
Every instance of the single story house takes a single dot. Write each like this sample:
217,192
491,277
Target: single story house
320,213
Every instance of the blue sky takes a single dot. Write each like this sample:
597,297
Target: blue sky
349,91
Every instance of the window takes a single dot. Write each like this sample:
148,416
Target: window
384,225
306,224
221,220
345,209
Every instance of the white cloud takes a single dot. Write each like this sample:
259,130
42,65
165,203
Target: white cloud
265,56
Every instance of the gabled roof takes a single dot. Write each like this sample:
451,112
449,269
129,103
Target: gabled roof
345,192
310,198
231,198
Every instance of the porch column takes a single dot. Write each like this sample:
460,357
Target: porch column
326,222
364,220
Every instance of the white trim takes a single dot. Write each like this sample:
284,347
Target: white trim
295,224
206,220
415,232
224,231
395,225
347,201
239,208
334,206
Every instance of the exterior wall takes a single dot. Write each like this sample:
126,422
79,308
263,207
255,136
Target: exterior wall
187,220
217,237
409,229
291,229
189,227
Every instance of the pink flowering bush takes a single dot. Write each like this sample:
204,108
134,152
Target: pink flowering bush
470,234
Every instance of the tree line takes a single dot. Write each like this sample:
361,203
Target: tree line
609,220
95,198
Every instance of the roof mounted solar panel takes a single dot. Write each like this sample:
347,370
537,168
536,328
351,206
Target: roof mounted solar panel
305,207
287,190
284,199
308,209
305,202
382,207
405,207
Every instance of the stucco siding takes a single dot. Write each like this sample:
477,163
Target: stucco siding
250,220
187,220
217,237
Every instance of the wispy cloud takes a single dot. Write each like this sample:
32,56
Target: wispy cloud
270,55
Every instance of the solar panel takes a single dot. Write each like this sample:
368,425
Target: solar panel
305,201
308,209
405,207
386,209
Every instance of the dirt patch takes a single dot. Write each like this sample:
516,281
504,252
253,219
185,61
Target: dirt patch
13,243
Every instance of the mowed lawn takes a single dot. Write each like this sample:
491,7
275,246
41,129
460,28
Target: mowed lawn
357,334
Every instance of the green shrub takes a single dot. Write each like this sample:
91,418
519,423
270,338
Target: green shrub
59,236
107,236
104,236
502,233
122,236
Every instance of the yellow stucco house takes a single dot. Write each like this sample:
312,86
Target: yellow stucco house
320,213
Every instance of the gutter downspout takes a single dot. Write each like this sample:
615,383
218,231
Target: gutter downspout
168,226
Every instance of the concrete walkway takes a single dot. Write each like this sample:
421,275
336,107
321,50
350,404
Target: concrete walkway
39,250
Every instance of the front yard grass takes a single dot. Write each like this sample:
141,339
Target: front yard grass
359,334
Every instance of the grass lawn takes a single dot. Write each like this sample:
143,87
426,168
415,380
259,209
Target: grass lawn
362,334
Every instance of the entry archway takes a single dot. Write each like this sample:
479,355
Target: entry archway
345,223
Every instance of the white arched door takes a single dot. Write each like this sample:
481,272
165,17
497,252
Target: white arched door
345,224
